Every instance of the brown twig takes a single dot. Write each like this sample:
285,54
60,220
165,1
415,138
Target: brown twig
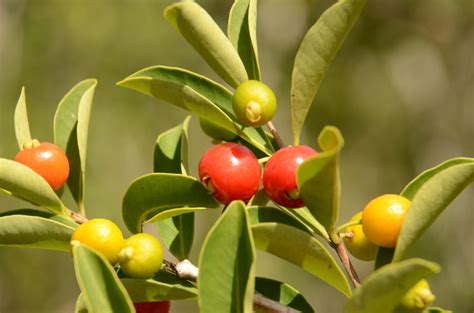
186,270
276,135
78,217
346,262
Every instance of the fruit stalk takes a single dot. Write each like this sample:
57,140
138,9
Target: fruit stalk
186,270
275,134
338,245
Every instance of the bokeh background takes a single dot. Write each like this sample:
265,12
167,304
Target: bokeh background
401,90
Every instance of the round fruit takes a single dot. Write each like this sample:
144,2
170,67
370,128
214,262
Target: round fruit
141,256
152,307
254,103
382,219
101,235
417,299
279,175
230,172
359,246
48,160
216,132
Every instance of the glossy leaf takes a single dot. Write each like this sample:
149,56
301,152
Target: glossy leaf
227,264
102,289
71,124
430,193
197,94
170,154
242,33
259,215
22,127
164,286
383,290
24,183
282,293
301,249
316,52
200,30
154,193
43,214
29,231
318,178
177,233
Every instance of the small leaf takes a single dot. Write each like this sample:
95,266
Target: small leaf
22,127
282,293
242,33
197,94
71,124
44,214
301,249
102,289
164,286
30,231
318,178
200,30
430,193
384,289
24,183
168,154
259,215
154,193
316,52
177,233
227,264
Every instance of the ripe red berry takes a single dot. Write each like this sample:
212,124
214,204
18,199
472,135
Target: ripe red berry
279,175
230,172
152,307
48,160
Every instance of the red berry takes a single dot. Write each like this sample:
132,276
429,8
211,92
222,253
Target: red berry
231,172
48,160
279,175
152,307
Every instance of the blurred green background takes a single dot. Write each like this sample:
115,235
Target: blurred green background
401,90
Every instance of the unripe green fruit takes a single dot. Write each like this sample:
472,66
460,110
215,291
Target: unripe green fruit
417,299
254,103
141,256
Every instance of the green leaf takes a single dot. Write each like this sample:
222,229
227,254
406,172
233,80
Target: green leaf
200,30
242,33
383,290
282,293
154,193
177,233
81,304
24,183
227,264
197,94
430,193
316,52
318,178
71,124
29,231
102,289
44,214
22,127
301,249
436,310
170,154
259,215
164,286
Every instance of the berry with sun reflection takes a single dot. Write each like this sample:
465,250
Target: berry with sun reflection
279,175
230,172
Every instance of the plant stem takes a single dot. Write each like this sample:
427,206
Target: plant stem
344,257
78,217
276,135
186,270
